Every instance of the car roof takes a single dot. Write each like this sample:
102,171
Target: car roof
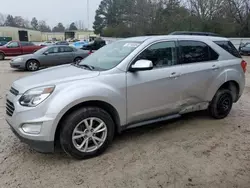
181,37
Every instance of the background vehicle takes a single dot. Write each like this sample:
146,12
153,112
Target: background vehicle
61,43
47,43
125,84
245,49
94,45
3,43
15,48
48,56
79,44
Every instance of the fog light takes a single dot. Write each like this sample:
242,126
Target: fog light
34,128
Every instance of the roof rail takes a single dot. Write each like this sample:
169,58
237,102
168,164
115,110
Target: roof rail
194,33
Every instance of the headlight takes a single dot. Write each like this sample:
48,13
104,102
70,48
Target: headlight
33,97
18,59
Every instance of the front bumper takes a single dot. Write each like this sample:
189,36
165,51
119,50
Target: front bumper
40,146
17,65
42,141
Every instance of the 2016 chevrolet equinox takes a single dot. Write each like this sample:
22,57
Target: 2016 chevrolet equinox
128,83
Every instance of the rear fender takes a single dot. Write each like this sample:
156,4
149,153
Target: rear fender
225,76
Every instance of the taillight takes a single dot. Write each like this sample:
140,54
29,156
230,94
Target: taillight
244,65
90,52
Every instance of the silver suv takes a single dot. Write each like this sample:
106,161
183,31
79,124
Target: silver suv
128,83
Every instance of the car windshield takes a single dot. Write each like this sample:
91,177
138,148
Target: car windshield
111,55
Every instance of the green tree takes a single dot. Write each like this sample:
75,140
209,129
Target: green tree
34,23
10,21
73,26
59,28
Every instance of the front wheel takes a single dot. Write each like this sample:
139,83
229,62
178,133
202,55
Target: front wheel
2,56
221,104
77,60
87,132
32,65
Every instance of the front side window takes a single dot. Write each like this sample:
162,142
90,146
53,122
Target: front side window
161,54
13,45
53,50
195,51
110,55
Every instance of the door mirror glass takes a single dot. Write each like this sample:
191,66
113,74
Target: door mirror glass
46,53
142,65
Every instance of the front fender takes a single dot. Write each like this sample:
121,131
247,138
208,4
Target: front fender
64,99
223,77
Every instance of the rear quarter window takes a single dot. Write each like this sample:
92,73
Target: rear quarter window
229,47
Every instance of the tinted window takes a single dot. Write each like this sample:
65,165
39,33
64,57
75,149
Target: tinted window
66,49
53,50
13,44
195,51
161,54
229,47
27,44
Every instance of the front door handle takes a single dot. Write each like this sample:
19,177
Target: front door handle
174,75
215,67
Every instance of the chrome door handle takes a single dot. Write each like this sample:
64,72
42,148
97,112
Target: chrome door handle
174,75
215,67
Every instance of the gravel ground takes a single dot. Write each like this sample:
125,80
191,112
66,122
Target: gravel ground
193,151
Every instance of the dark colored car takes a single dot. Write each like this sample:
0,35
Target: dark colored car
94,45
15,48
3,43
61,43
245,50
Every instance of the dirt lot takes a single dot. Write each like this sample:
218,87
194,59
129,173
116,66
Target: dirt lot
194,151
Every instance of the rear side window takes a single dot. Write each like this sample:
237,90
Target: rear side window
196,51
229,47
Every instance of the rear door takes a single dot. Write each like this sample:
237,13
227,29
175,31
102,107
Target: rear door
66,54
28,47
200,68
13,48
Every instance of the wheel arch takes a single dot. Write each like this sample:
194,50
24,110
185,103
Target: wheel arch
94,103
32,59
233,86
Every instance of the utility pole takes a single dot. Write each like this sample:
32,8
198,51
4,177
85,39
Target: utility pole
88,12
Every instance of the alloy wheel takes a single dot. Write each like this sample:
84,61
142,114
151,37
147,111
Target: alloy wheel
89,135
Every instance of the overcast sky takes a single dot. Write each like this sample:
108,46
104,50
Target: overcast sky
52,11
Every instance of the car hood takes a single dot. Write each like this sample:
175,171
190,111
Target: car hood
27,56
53,76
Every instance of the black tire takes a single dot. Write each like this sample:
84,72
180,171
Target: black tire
221,104
32,65
2,56
70,123
77,60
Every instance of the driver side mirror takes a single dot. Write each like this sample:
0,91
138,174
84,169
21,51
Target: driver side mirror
142,65
46,53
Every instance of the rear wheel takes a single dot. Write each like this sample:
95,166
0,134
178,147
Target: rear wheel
87,132
2,56
221,104
32,65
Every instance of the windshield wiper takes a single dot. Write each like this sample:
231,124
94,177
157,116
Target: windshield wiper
87,66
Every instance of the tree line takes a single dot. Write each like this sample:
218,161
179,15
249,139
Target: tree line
124,18
39,25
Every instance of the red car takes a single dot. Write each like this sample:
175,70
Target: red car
15,48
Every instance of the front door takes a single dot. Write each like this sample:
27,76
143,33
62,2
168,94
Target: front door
13,48
157,92
50,57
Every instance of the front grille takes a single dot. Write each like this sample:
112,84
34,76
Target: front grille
10,108
14,91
